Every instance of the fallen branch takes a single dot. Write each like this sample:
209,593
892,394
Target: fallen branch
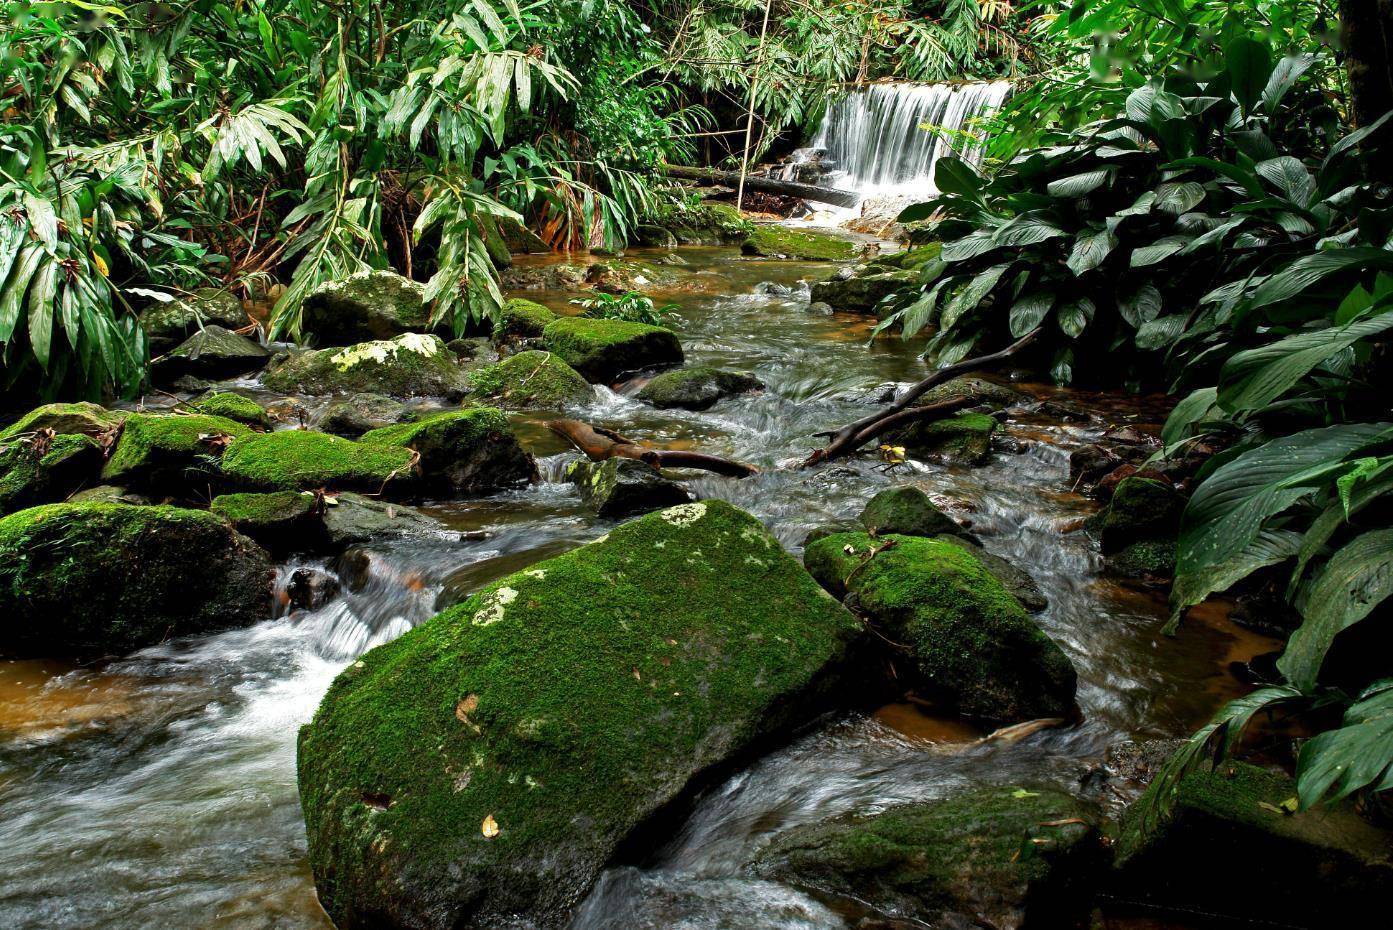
599,444
853,436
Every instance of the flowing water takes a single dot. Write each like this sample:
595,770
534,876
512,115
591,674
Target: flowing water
159,790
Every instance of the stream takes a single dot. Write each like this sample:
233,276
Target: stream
159,790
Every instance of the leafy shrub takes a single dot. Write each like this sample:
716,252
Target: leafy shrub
631,307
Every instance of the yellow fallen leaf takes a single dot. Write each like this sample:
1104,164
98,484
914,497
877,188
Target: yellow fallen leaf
100,265
490,827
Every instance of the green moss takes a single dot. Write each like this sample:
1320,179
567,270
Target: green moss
619,487
567,702
1147,558
80,417
914,258
973,643
252,512
907,511
777,241
470,451
705,223
407,366
28,478
302,460
696,388
521,319
365,306
602,350
233,407
87,579
962,439
1141,509
174,448
531,379
169,323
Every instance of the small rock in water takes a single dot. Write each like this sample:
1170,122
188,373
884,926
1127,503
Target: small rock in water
311,588
619,487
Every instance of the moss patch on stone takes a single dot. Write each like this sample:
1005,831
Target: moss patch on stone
276,519
170,323
93,579
602,350
696,388
365,306
80,417
173,450
962,439
705,223
619,487
531,379
521,319
563,705
775,241
233,407
302,460
906,511
31,475
408,366
973,645
470,451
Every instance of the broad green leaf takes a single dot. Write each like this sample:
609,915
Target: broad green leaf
1179,197
1158,251
1142,307
1029,312
955,176
971,295
1090,249
1074,317
1356,756
1311,269
1197,406
1079,185
1249,66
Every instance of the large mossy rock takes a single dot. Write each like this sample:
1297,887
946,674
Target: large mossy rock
411,365
1228,846
618,487
233,407
1137,530
299,521
481,770
80,417
705,223
356,414
365,306
168,324
211,353
36,471
859,293
906,511
170,452
973,645
300,460
100,579
529,380
962,439
1013,856
1018,581
521,319
602,350
696,388
278,520
774,241
469,451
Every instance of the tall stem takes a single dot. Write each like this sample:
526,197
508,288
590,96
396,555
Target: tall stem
750,113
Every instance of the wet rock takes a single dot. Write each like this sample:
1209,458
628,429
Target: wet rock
618,488
41,469
461,452
370,305
1320,868
211,353
997,857
170,452
356,414
1017,580
232,407
351,520
831,529
859,293
625,276
705,223
979,390
300,460
963,439
818,306
531,379
521,319
80,417
1138,528
773,241
100,579
473,349
310,588
652,236
453,777
602,350
696,388
972,643
548,277
411,365
279,520
170,323
906,511
107,494
1129,766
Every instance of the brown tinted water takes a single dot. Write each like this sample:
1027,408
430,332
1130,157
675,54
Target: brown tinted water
159,789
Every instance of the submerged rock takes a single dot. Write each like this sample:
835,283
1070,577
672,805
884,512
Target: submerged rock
619,487
962,439
170,323
410,365
97,579
356,414
170,452
531,379
1137,530
81,417
1319,868
774,241
300,460
906,511
37,471
469,451
211,353
481,770
602,350
998,857
233,407
365,306
972,643
521,319
696,388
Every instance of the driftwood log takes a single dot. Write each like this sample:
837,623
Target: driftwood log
599,444
849,438
830,195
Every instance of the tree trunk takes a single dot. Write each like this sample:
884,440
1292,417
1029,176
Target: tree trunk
766,185
599,444
1366,32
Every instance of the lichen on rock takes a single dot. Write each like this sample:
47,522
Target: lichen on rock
408,365
620,487
367,305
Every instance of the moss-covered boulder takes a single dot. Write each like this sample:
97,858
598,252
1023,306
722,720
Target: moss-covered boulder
962,439
233,407
1015,579
521,319
905,511
1326,867
618,488
997,857
774,241
366,306
696,388
469,451
107,494
531,379
211,353
1137,530
37,470
170,323
602,350
278,520
300,460
908,259
973,645
356,414
98,579
80,417
169,452
481,770
411,365
979,390
705,223
859,293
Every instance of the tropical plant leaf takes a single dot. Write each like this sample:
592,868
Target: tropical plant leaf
1357,756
